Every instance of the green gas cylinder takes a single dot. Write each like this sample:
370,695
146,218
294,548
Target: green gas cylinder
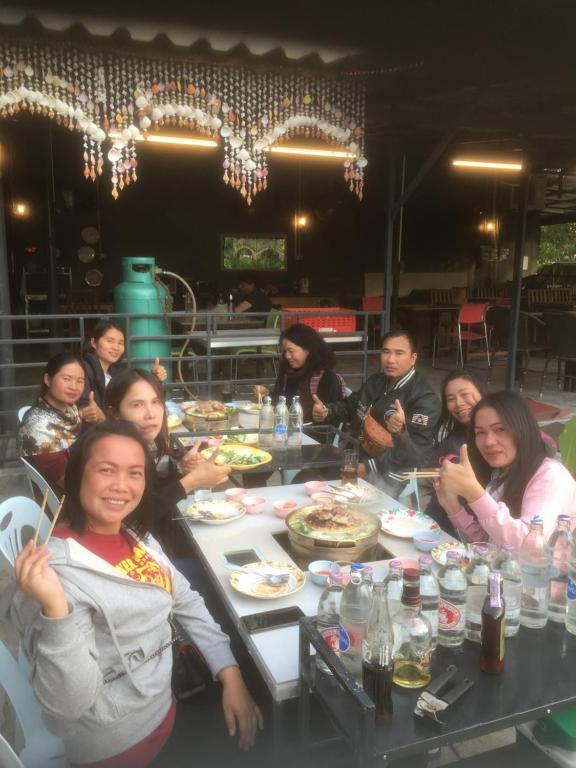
141,293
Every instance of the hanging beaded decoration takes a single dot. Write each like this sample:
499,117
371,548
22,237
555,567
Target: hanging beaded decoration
125,97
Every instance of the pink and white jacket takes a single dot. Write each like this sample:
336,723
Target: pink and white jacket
550,492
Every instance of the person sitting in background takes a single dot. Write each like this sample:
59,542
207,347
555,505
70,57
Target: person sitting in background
394,413
461,390
506,475
251,299
306,370
101,356
94,612
52,425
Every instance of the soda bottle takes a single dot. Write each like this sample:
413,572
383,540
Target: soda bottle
571,589
368,576
412,637
295,423
393,583
281,424
354,610
477,578
535,565
492,627
429,591
507,563
452,606
266,424
377,654
559,547
328,618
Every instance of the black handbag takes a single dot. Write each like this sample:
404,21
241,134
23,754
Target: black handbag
190,673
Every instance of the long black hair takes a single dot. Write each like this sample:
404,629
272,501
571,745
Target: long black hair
55,364
531,449
141,519
446,422
320,355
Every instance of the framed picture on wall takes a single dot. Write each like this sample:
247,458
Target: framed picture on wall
264,253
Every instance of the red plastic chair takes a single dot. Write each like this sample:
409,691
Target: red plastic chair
469,315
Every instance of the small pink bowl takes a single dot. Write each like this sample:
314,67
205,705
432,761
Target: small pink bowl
215,440
283,507
235,494
314,486
254,505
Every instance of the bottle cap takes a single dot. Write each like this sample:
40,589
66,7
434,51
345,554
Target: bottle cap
480,549
335,577
396,564
564,518
536,520
356,567
453,554
425,559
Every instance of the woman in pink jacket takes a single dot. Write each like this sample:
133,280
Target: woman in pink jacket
506,475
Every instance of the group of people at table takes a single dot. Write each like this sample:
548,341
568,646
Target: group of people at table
93,608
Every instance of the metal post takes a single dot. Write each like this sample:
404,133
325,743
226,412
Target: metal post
396,275
523,193
7,402
55,326
389,248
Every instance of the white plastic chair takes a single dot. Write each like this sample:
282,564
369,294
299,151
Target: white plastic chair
18,519
22,412
41,748
37,480
411,489
9,758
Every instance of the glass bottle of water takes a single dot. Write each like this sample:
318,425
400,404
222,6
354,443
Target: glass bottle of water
559,547
507,563
266,424
295,423
281,424
452,606
368,576
394,583
571,589
430,594
328,617
535,564
354,611
477,578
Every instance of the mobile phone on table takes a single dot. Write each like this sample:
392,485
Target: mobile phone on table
242,557
279,617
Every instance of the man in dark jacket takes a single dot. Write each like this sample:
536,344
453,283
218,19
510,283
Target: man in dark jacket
401,401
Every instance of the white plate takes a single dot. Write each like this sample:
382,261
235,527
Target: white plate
404,523
439,552
250,584
222,511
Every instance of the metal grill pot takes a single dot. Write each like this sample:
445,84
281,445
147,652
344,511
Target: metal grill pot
349,545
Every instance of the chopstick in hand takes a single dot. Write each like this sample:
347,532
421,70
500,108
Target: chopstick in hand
40,516
55,520
421,473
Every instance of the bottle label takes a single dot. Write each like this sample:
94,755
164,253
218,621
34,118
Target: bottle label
353,638
280,430
331,637
343,639
571,591
449,616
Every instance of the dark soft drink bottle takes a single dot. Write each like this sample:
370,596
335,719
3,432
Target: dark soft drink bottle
377,654
493,626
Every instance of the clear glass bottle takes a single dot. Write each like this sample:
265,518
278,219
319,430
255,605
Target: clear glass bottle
571,589
452,606
412,637
493,625
354,611
328,616
266,424
295,423
507,563
378,654
559,547
281,424
430,593
477,578
535,564
394,585
368,576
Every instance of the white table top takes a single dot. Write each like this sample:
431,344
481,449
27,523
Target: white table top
275,651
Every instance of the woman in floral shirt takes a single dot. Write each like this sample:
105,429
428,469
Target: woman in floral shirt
53,423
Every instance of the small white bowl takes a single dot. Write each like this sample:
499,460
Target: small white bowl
235,494
314,486
254,505
319,571
283,507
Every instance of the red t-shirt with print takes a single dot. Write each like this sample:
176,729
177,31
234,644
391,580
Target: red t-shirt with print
126,554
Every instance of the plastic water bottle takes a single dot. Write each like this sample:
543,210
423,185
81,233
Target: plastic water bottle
571,589
394,583
535,564
477,578
430,593
295,423
328,619
266,424
281,424
452,606
507,563
559,547
354,612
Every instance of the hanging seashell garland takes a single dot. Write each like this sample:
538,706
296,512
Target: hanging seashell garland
124,97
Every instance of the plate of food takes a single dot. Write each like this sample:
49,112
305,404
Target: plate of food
245,439
248,581
215,511
210,410
173,421
238,456
439,552
404,523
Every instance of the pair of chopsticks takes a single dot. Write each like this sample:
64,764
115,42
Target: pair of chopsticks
421,473
41,515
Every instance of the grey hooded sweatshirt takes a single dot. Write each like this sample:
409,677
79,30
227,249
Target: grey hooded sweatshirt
102,674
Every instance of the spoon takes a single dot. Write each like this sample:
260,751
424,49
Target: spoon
274,579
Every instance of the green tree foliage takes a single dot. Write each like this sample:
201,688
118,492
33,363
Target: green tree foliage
557,243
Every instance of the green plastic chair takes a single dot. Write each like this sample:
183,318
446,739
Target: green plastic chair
272,321
567,443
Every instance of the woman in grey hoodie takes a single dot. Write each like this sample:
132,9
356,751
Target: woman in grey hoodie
94,615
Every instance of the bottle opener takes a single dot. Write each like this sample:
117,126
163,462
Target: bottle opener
433,700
